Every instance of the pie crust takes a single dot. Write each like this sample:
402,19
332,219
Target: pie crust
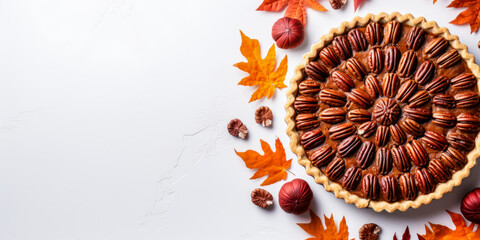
336,188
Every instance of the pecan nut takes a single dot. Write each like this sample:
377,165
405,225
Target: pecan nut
418,99
408,64
468,123
342,80
351,178
341,131
312,139
408,88
373,86
425,181
332,97
463,81
418,114
309,87
236,128
359,97
342,47
337,4
439,171
466,99
392,32
436,47
415,38
392,56
398,134
373,33
453,158
335,169
386,111
261,198
306,121
329,57
412,127
437,85
382,136
264,116
408,188
349,145
400,158
434,140
370,186
375,60
357,40
390,85
365,155
305,104
367,129
359,115
460,141
316,70
383,161
425,72
443,119
417,153
322,156
356,68
449,59
389,188
444,100
333,115
369,231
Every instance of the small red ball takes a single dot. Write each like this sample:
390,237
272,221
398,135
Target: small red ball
471,206
288,32
295,196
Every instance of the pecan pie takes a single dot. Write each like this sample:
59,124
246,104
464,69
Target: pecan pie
384,112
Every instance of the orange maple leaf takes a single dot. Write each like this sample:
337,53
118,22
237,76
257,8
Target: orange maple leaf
295,9
315,228
471,15
262,71
273,164
462,231
434,1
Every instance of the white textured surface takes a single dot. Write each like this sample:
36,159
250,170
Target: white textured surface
113,119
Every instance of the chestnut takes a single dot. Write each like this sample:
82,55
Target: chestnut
471,206
295,196
288,32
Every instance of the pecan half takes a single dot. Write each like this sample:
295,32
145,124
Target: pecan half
333,115
444,101
342,80
369,231
264,116
386,111
312,139
373,33
434,140
357,40
367,129
408,88
370,186
322,156
337,4
392,32
309,87
425,72
236,128
389,188
390,85
341,131
359,97
400,158
425,181
382,136
418,99
383,161
439,171
332,97
375,60
412,127
397,133
335,169
439,84
460,141
392,56
454,159
436,46
415,38
443,119
306,121
342,47
349,145
408,188
305,104
261,198
408,64
463,81
359,115
466,99
373,86
316,70
351,178
468,123
418,114
356,68
417,153
329,57
449,59
365,154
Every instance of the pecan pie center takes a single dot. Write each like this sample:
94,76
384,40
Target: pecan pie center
386,111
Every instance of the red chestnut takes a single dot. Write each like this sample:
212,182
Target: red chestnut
471,206
295,196
288,32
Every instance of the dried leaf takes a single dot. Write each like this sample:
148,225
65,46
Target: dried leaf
406,235
434,1
315,228
273,164
471,15
462,231
262,71
356,4
295,9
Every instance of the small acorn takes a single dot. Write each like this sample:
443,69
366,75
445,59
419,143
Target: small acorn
288,32
295,196
471,206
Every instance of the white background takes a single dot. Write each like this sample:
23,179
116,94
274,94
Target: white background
113,118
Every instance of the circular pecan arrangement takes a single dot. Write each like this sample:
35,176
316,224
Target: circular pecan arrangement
388,110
